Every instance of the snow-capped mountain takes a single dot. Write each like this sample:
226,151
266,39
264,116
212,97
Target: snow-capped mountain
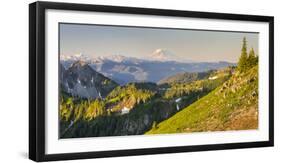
124,69
68,60
115,58
163,55
75,57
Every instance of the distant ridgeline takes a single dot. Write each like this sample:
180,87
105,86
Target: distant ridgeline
124,70
92,104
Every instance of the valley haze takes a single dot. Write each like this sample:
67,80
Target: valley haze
124,70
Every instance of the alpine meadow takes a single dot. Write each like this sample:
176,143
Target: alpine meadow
120,81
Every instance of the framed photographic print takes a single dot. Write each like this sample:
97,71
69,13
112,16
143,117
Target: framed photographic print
111,81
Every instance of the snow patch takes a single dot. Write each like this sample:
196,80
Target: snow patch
213,77
178,100
125,110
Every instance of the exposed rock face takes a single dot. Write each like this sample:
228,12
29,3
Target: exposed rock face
62,72
81,80
138,125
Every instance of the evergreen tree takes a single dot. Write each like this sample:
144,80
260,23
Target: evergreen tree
95,109
252,59
256,60
243,63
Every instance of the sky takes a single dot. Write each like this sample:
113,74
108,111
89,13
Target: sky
191,45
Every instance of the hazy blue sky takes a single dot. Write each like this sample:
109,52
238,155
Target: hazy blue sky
93,40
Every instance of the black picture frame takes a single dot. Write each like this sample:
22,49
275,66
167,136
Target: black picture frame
37,79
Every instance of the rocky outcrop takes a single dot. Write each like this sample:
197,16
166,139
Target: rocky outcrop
81,80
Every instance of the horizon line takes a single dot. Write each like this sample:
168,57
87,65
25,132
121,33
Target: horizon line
90,57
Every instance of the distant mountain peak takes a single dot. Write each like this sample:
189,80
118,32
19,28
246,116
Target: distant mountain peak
163,55
116,58
79,63
75,57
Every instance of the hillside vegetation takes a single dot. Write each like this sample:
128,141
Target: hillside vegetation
147,104
232,106
93,105
186,77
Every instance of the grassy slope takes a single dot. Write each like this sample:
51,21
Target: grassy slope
232,106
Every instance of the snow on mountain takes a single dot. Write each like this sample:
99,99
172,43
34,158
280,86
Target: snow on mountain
119,59
81,80
75,57
163,55
115,58
68,60
124,69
